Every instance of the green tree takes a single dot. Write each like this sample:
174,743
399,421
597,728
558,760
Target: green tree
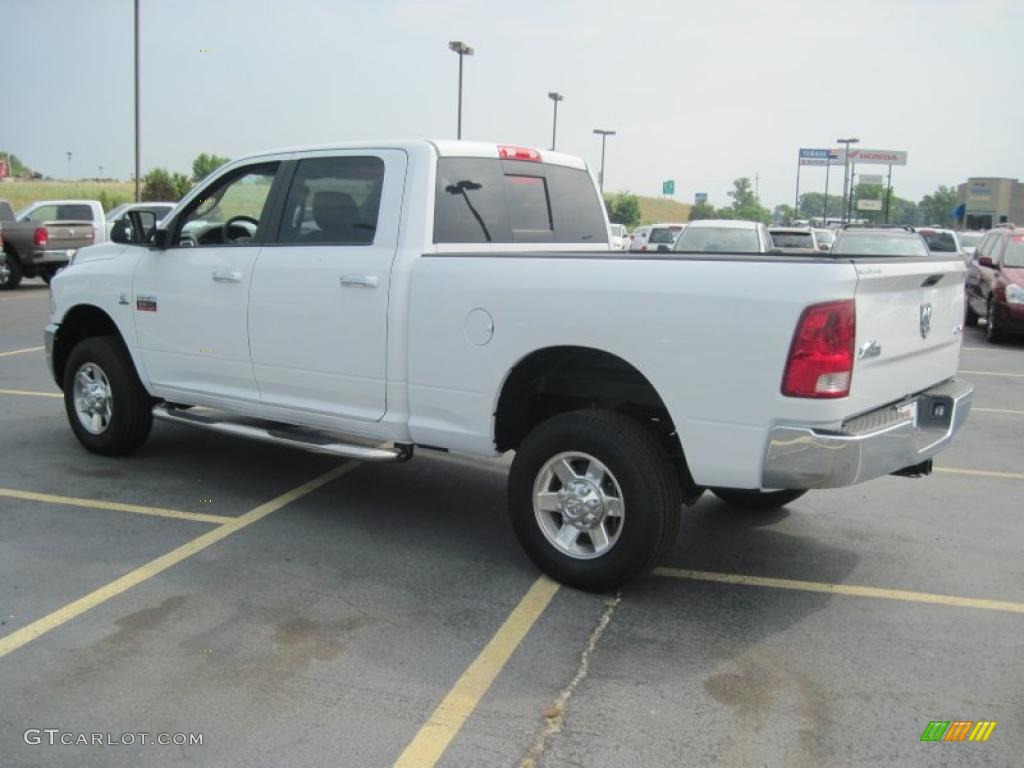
745,204
16,167
623,209
935,208
784,214
704,210
205,164
813,204
161,185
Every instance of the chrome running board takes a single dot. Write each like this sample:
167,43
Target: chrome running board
292,437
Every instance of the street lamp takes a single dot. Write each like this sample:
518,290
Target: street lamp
604,136
69,165
463,50
846,172
555,97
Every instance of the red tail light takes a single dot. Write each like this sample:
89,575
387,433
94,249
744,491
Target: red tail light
519,153
41,236
820,363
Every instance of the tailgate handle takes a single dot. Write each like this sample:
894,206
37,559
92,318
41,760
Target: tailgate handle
931,280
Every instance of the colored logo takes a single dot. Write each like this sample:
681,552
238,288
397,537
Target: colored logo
958,730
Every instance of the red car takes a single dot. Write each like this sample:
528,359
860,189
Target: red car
995,283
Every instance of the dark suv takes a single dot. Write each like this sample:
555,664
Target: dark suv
995,282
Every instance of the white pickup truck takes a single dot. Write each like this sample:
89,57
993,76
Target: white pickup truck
363,300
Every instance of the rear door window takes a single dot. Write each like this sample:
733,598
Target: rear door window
939,242
75,212
480,200
333,201
42,213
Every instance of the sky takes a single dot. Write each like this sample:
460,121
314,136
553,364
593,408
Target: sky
699,92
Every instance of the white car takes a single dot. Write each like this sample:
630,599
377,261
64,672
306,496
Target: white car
619,237
724,236
655,237
368,300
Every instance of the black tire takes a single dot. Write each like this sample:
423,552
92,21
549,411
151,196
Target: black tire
10,271
131,415
47,275
759,501
970,316
650,493
992,331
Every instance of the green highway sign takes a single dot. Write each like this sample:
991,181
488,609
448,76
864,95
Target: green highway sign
668,187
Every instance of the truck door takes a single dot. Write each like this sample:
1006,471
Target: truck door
318,310
190,300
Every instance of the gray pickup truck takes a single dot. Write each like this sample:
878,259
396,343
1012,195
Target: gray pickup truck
43,238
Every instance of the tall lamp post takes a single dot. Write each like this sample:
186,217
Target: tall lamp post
846,171
604,137
138,180
69,165
555,97
463,50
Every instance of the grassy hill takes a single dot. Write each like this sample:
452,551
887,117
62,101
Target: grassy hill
658,209
111,193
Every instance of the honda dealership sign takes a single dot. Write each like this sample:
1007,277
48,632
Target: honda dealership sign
877,157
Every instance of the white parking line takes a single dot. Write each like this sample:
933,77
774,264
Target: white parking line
997,410
21,351
994,373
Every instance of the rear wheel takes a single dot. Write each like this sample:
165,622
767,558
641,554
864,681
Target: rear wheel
47,275
593,499
10,271
108,408
757,500
992,329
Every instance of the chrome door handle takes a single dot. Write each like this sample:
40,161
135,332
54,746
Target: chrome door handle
227,276
366,281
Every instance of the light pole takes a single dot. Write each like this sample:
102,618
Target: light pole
463,50
138,180
555,97
69,166
604,137
846,171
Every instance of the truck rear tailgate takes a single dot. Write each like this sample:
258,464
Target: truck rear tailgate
69,234
910,315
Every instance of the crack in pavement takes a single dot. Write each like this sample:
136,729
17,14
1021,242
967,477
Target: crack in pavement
554,715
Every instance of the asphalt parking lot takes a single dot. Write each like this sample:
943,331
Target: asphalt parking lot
294,610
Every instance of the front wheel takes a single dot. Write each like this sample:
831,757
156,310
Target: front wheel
109,410
992,331
970,316
761,501
594,499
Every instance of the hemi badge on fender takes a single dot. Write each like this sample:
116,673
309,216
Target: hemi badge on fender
145,303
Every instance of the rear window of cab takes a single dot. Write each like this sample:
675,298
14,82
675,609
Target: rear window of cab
489,200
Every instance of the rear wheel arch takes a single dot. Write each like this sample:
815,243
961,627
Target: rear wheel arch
556,380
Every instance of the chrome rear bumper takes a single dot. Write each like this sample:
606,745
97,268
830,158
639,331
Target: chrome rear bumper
878,443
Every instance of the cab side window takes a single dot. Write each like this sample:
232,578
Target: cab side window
333,201
230,212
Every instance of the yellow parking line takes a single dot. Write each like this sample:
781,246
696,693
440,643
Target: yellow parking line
843,589
981,473
37,628
995,373
21,351
29,393
433,738
996,410
115,506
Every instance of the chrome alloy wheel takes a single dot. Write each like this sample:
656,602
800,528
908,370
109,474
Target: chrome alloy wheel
579,506
5,270
93,398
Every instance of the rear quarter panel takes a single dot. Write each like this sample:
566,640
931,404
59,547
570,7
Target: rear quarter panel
711,335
